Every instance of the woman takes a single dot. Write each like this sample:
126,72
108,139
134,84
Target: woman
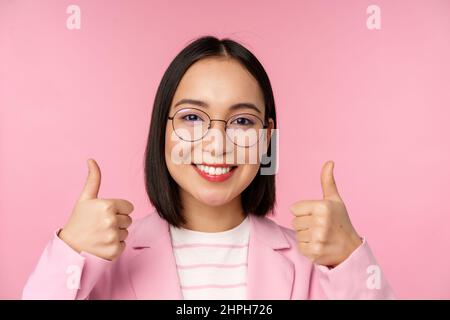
209,237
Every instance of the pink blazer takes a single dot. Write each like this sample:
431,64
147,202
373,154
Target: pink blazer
147,270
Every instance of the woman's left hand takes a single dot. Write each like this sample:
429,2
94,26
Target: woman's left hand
324,232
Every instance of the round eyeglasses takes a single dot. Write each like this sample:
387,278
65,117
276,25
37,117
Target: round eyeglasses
192,124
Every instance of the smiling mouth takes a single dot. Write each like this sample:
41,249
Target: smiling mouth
214,172
214,169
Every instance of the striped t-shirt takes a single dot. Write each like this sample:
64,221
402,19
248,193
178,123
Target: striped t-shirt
212,265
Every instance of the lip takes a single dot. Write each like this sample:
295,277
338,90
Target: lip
214,178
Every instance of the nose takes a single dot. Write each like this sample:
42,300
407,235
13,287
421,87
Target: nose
215,140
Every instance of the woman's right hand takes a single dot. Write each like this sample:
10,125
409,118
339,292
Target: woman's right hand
97,226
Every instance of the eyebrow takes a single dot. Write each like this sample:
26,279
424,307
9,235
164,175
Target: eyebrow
236,106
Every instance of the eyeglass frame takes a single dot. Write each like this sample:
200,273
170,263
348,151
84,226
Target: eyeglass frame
265,126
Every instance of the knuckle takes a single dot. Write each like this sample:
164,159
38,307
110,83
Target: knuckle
320,235
111,237
129,220
108,205
111,221
125,222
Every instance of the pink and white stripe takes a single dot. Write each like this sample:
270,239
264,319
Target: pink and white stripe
212,265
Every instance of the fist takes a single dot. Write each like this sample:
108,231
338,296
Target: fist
97,226
324,232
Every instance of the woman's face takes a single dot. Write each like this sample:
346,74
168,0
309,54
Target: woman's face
214,170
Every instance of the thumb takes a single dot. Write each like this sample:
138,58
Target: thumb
329,188
92,185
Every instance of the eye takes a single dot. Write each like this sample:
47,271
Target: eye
241,121
192,117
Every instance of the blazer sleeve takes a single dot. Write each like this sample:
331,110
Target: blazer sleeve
63,274
358,277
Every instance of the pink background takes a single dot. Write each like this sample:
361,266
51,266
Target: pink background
376,102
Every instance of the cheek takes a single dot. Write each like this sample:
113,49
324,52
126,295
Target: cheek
248,156
178,156
172,160
177,152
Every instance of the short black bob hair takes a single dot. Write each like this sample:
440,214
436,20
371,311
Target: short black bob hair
259,197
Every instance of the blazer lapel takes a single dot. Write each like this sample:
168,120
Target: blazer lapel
269,275
152,269
153,272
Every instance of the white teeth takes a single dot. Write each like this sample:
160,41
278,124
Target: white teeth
215,171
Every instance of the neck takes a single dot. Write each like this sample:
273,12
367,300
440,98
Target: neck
205,218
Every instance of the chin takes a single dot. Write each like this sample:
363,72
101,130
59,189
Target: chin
212,198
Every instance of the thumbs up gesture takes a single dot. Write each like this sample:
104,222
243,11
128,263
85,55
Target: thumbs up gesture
324,232
97,226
